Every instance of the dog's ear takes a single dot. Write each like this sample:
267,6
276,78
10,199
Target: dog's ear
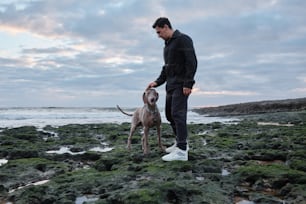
157,96
144,98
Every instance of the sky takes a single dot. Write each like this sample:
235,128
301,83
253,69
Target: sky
99,53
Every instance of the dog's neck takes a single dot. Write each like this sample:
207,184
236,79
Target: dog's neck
151,108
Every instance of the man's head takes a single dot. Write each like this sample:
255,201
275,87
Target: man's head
163,28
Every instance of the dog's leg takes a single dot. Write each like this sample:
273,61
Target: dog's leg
142,139
132,130
158,127
145,142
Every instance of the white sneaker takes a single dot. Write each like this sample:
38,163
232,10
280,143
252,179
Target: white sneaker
176,155
171,148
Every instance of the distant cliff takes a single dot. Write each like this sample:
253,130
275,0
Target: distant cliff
255,107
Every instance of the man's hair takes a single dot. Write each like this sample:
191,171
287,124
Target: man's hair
161,22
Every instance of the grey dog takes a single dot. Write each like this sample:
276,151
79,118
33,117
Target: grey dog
147,116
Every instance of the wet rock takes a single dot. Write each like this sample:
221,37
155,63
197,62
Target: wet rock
22,153
255,107
105,164
266,164
3,190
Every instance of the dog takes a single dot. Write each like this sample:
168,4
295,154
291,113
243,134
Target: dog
147,116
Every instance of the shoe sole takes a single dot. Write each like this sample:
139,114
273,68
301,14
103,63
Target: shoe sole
175,160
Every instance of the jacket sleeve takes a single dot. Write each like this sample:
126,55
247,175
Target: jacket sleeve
162,77
190,61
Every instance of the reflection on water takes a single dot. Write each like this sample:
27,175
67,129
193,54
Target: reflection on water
225,172
64,150
85,199
3,161
30,184
245,202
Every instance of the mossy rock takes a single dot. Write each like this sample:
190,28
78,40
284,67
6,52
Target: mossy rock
259,156
35,195
28,133
142,196
30,170
253,172
298,164
106,163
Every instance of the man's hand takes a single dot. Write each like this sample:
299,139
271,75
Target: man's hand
151,85
186,91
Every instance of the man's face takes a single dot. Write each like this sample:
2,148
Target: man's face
161,32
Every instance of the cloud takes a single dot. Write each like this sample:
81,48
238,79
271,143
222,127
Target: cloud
93,53
197,91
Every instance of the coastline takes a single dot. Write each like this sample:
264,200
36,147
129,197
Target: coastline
57,116
257,107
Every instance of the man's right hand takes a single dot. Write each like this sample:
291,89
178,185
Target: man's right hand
152,85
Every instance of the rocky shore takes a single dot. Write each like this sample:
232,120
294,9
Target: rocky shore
255,107
259,159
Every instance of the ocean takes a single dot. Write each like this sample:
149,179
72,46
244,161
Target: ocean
57,116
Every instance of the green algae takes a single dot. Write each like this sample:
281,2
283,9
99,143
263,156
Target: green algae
27,133
142,196
274,171
266,163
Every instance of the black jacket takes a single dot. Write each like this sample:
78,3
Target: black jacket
180,62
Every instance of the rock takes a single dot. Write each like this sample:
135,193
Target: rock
255,107
264,163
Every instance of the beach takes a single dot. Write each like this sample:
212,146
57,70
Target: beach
256,159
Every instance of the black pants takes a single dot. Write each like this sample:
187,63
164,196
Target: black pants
176,114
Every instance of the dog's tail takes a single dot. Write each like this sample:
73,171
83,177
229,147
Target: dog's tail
129,114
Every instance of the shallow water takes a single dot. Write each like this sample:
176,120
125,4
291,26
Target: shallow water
40,117
99,149
30,184
225,172
83,199
275,124
64,150
3,161
245,202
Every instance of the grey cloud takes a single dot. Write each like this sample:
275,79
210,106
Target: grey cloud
50,50
254,47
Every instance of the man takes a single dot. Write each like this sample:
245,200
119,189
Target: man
178,71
